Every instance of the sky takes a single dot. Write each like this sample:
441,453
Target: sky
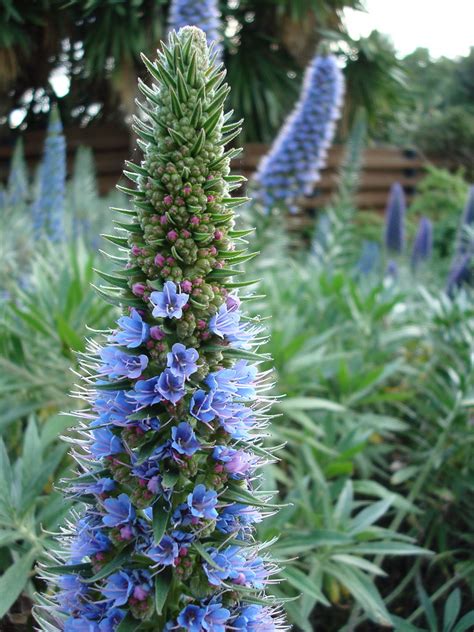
445,27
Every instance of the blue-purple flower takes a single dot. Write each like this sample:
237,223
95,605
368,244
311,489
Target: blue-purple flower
171,386
105,443
117,363
119,511
237,463
225,322
133,331
169,303
190,618
122,585
181,361
201,406
147,392
202,503
165,553
184,439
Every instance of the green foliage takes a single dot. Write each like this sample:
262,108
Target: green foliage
42,327
441,196
267,45
29,508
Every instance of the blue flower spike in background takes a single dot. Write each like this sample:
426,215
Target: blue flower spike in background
172,437
423,244
48,207
292,166
395,220
17,186
201,13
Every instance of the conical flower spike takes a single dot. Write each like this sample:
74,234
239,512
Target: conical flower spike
292,166
395,219
460,274
49,206
172,437
204,14
17,186
464,240
423,244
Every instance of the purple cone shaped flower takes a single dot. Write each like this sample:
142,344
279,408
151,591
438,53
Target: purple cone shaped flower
292,166
167,449
202,13
17,186
49,204
423,244
370,257
395,219
459,275
464,240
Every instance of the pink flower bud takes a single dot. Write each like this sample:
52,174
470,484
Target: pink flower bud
136,250
210,198
185,233
139,593
195,221
159,260
186,286
157,333
168,200
163,220
187,189
138,289
172,235
213,251
217,235
170,261
201,324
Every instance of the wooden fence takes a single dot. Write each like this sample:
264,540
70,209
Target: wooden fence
111,146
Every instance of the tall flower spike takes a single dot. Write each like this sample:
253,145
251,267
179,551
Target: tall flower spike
464,240
204,14
292,166
460,274
172,438
17,186
423,244
49,205
395,219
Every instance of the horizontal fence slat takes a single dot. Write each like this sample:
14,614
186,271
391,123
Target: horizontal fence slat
111,145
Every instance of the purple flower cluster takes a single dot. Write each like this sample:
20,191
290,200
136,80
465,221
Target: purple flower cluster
292,166
169,445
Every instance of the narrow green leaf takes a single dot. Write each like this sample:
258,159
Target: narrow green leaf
162,587
13,581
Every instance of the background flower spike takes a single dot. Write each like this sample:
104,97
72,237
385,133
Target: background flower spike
168,457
